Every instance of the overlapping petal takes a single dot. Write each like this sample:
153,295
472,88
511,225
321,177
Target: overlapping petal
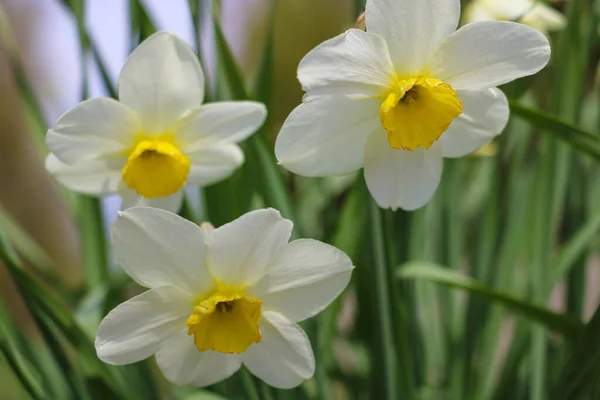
544,18
161,80
135,329
477,11
221,123
529,12
401,178
158,248
412,29
486,54
327,136
284,357
355,62
182,363
485,114
95,178
130,198
214,163
241,252
96,128
305,279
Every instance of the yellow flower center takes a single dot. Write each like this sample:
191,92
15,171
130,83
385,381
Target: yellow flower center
156,168
417,111
227,323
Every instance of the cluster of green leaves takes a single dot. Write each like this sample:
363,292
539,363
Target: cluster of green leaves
448,302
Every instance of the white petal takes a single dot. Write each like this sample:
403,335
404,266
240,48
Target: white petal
412,29
486,54
305,279
214,164
327,136
477,11
240,253
94,178
93,129
220,123
135,329
170,203
485,114
355,62
161,80
130,198
182,363
401,178
544,18
284,357
158,248
504,10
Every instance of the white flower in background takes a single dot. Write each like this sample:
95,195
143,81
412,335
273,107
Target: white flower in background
529,12
399,97
219,298
158,137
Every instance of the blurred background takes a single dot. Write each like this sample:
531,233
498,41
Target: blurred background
518,221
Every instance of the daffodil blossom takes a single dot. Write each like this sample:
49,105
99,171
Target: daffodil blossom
399,97
219,298
529,12
158,137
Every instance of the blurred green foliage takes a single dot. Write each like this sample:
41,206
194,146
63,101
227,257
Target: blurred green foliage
448,302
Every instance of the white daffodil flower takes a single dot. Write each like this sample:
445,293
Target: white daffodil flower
529,12
158,137
219,297
399,97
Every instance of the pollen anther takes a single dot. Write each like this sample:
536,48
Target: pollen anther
227,323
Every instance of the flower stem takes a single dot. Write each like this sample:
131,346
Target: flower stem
93,242
388,348
249,385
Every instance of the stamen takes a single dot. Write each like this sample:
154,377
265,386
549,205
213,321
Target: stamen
417,111
226,323
410,96
225,306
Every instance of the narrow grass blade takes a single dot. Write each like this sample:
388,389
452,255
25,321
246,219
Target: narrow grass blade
230,67
204,395
564,324
350,227
29,377
263,88
141,23
583,366
571,251
45,305
93,242
388,347
267,177
577,137
249,385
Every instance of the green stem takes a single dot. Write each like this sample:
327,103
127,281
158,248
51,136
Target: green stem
542,239
388,347
266,392
249,385
188,212
93,242
454,247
